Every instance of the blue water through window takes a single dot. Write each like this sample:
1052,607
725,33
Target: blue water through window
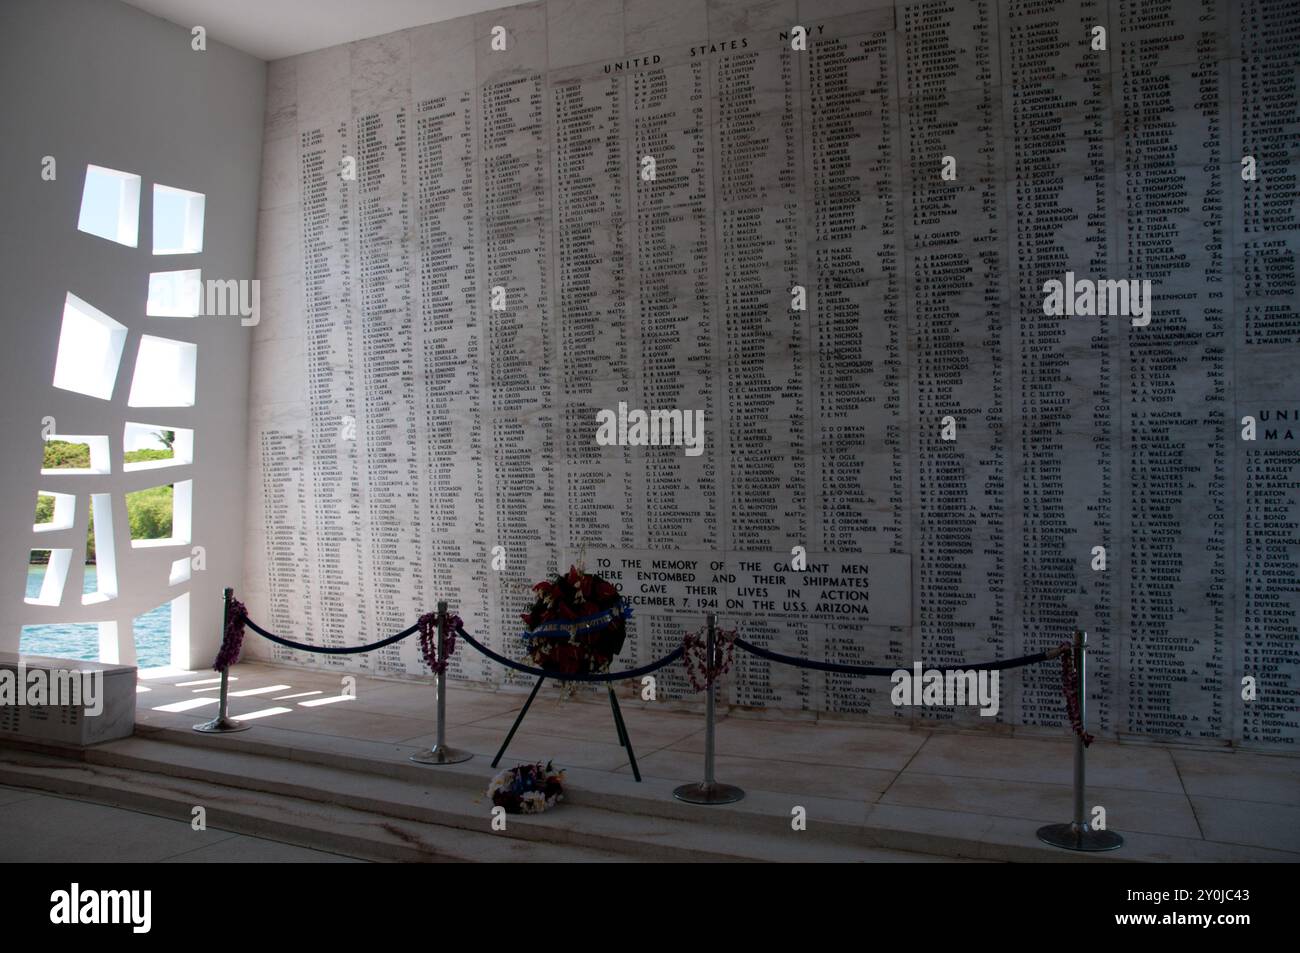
80,640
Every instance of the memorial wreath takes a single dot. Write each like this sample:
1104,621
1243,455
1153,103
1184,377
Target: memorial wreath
576,625
527,788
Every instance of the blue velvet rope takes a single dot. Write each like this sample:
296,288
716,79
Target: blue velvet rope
840,668
886,670
331,650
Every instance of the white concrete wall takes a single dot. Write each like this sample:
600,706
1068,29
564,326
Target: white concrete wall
99,82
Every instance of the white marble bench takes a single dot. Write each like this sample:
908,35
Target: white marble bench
66,701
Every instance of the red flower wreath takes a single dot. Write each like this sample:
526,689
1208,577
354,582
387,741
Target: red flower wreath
576,624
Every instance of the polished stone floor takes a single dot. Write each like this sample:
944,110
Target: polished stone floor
1170,802
876,791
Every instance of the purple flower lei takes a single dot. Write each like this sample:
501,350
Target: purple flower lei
433,657
232,639
694,656
1070,685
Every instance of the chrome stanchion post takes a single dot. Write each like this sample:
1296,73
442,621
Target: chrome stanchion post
223,723
1078,835
709,791
440,753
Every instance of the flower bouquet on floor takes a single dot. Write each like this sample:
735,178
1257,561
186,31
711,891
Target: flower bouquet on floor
577,624
527,788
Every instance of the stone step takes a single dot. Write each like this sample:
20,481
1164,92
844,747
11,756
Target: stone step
374,816
316,825
605,811
832,821
836,825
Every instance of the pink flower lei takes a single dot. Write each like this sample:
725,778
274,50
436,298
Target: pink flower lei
1070,686
232,639
436,656
700,670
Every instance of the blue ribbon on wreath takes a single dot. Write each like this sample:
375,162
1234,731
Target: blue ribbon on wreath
561,629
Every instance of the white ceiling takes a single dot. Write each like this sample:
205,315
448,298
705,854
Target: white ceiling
271,29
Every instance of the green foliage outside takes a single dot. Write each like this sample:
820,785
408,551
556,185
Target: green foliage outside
65,455
44,510
139,456
149,512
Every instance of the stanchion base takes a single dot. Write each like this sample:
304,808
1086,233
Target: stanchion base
218,725
714,793
1069,837
441,755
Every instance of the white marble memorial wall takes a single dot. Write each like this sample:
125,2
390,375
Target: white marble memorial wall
402,428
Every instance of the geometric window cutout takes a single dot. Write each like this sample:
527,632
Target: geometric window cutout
46,589
90,347
177,221
151,446
175,294
100,580
64,453
76,640
160,515
154,631
180,572
164,373
110,205
54,511
180,654
110,651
